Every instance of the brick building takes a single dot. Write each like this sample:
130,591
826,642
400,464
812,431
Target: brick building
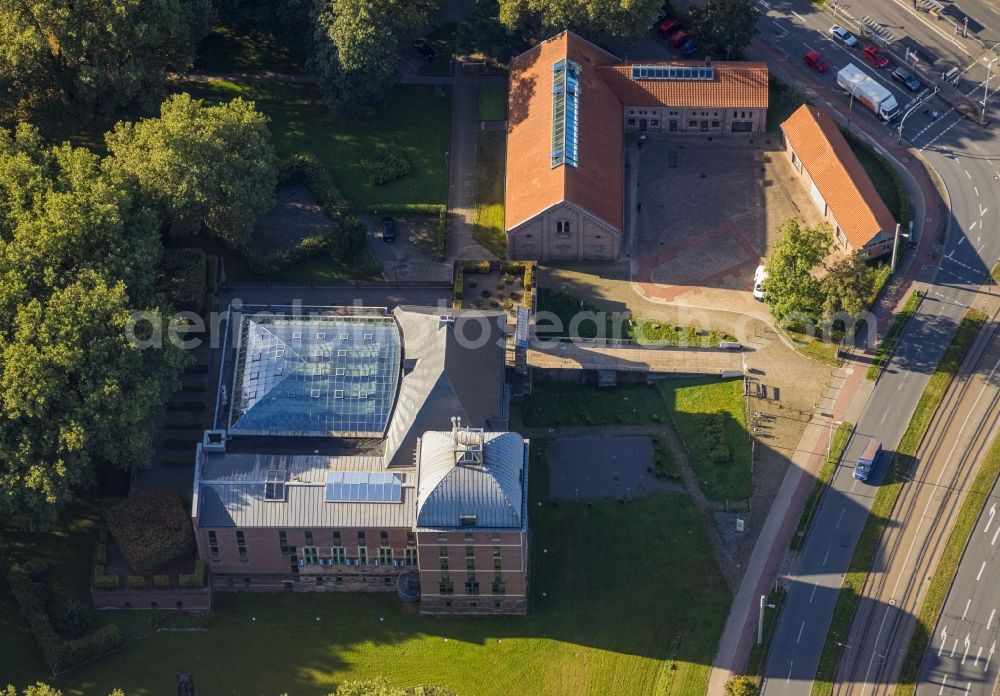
357,449
569,106
837,183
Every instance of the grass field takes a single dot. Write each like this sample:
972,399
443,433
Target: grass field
689,400
838,444
885,499
937,592
488,227
815,348
415,118
492,101
563,403
627,622
244,49
888,341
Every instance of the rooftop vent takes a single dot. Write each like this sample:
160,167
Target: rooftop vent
468,443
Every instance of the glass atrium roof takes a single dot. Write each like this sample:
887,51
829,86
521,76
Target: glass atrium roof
364,486
315,376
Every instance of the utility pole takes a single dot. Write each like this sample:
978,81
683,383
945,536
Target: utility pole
895,247
760,619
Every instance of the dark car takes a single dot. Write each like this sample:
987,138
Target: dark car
388,229
903,75
425,49
689,47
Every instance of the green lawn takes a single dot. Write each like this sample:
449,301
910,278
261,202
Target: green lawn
414,118
627,622
492,101
815,348
244,49
885,499
690,402
838,444
490,154
564,403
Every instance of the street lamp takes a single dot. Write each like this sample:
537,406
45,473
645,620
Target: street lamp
760,618
986,86
850,105
899,141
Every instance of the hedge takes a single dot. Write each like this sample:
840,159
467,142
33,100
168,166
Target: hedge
161,580
194,579
95,643
102,554
152,528
103,581
136,582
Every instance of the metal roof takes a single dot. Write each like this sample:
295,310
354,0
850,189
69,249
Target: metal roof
492,492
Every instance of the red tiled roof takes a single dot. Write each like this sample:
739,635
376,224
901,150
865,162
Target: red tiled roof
837,173
735,85
532,184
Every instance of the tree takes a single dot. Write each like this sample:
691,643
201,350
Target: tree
95,56
483,32
354,54
849,286
724,27
741,686
202,165
40,689
791,290
624,19
77,257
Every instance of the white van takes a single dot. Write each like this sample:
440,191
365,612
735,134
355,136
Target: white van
759,276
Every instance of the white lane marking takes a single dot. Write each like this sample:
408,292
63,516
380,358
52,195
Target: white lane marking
968,644
968,687
801,628
789,677
831,546
981,569
967,174
814,594
982,211
993,649
979,653
798,16
884,416
944,639
995,536
990,622
976,188
973,225
954,647
989,522
944,681
968,603
942,133
839,518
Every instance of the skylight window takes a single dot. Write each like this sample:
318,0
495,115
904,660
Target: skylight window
673,72
274,484
565,112
364,487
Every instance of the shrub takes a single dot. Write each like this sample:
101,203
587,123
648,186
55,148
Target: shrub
194,579
136,582
102,554
387,163
307,169
104,582
161,580
151,528
182,276
103,640
74,619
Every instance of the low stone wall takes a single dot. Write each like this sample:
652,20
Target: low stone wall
168,598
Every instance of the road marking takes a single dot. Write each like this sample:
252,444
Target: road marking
989,522
883,416
995,536
831,546
944,681
982,211
981,569
814,594
841,517
968,644
789,677
993,649
944,639
990,622
967,174
973,225
798,16
979,653
968,687
968,603
801,628
976,189
954,647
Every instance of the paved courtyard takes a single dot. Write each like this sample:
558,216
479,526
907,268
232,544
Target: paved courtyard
589,467
709,211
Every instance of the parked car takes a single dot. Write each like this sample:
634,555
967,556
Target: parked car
845,37
875,57
903,75
815,61
425,49
689,47
678,38
388,229
667,27
759,276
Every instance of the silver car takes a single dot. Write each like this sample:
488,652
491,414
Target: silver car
845,37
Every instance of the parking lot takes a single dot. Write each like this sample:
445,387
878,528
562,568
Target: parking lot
706,212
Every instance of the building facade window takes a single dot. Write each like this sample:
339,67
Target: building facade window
241,546
283,542
213,543
411,539
631,121
384,555
337,555
443,557
498,586
309,538
471,585
409,557
470,558
562,230
362,555
445,585
309,555
336,538
383,538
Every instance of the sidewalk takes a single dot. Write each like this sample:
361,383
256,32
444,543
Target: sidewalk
840,404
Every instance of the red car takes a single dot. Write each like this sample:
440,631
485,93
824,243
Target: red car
875,57
667,27
815,61
678,38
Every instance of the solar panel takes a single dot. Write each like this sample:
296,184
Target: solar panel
673,72
363,487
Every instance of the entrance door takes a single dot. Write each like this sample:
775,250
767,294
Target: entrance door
704,126
642,124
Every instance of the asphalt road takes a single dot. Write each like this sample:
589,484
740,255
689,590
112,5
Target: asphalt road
961,432
964,155
961,657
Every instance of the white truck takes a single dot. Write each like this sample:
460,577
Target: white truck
868,91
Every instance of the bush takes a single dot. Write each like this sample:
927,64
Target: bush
152,528
161,581
74,619
94,644
194,579
104,582
387,163
136,582
102,554
182,276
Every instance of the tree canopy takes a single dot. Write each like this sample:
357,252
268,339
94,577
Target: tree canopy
94,56
77,256
625,19
202,165
40,689
741,686
724,28
791,289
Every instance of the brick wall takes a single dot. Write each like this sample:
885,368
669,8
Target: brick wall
186,600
